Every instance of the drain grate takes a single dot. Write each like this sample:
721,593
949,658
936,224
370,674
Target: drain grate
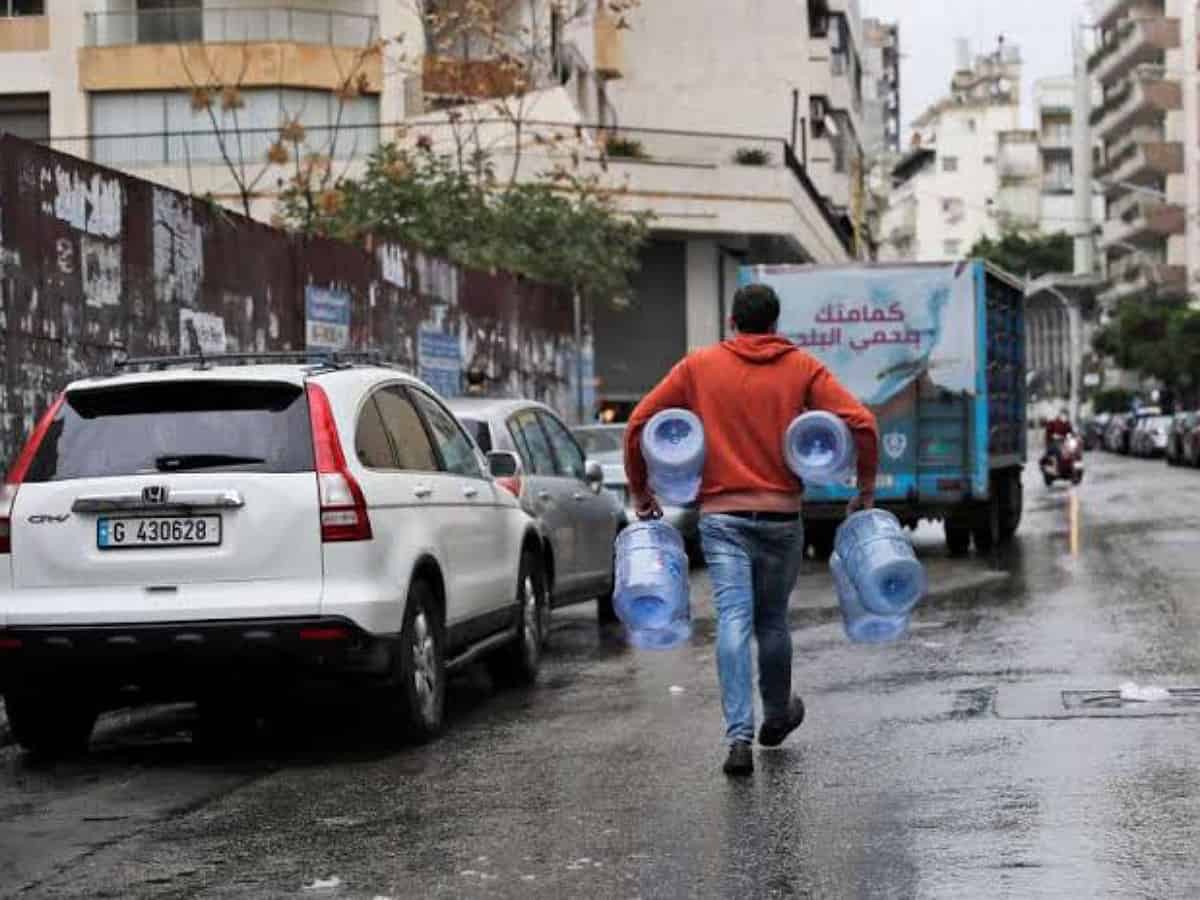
1180,697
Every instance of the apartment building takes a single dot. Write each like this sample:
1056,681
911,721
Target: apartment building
970,170
1141,123
881,91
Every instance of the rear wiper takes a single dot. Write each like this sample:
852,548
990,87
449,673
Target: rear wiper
181,462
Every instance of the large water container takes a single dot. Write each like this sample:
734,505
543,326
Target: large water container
862,626
673,447
651,594
876,553
819,449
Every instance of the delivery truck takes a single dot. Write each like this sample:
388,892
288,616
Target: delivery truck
937,351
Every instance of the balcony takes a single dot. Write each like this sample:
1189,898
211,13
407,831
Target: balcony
24,34
1110,12
1018,156
1146,163
1134,275
1135,42
610,45
251,46
1139,220
1142,101
457,79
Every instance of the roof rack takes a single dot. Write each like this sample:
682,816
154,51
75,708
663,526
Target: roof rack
319,359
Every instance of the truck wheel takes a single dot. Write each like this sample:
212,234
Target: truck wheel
985,530
1012,503
821,537
50,725
958,537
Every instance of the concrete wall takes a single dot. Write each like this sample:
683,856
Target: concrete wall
93,262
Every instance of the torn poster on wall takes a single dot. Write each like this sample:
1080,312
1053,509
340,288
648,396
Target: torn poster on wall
200,332
327,318
439,359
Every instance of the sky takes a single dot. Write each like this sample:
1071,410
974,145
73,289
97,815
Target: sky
929,31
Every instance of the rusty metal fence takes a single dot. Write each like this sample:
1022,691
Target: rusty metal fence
94,262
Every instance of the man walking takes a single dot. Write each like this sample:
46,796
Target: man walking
747,391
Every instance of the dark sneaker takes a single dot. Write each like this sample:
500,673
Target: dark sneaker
740,760
774,731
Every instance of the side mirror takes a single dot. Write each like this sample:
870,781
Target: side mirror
593,474
503,464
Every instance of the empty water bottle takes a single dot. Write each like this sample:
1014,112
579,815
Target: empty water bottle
818,448
673,447
651,594
862,626
879,559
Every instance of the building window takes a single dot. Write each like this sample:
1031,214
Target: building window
166,129
989,160
11,8
25,116
169,22
972,126
949,163
952,247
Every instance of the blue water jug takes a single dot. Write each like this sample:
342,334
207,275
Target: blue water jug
862,626
673,447
819,449
651,595
877,556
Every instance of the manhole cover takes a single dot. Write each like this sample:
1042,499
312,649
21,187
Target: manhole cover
1022,701
1113,700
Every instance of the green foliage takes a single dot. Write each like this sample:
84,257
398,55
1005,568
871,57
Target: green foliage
1156,337
564,229
1028,255
752,156
624,148
1113,400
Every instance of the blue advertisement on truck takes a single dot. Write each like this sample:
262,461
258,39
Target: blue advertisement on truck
937,352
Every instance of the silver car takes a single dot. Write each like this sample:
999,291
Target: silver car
605,444
556,485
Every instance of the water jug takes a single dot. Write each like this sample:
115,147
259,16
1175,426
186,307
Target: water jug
673,447
818,448
862,626
651,594
879,560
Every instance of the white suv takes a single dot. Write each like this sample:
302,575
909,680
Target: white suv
205,529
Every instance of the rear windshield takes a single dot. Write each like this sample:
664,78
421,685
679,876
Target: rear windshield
180,426
479,430
600,440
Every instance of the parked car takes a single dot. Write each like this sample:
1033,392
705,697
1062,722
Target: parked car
1094,429
606,445
221,533
1178,438
1150,436
560,489
1116,438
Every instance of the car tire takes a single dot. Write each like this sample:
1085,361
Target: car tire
418,689
606,613
518,662
50,725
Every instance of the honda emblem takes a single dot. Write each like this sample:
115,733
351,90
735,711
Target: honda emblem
154,495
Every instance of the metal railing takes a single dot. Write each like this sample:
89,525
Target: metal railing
233,24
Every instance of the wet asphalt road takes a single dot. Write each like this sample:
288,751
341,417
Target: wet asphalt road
962,762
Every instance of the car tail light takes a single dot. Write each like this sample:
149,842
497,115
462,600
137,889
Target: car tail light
20,468
324,634
343,507
10,643
512,484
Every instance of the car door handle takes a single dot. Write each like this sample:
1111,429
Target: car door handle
470,492
423,491
578,497
544,496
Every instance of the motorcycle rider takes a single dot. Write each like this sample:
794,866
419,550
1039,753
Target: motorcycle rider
1057,428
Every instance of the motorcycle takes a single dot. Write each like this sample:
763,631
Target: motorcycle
1067,463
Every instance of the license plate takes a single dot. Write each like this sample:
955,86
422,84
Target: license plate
158,531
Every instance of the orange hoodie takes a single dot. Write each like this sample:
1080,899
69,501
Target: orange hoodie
747,391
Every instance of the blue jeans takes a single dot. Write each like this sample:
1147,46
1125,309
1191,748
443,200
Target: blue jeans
753,566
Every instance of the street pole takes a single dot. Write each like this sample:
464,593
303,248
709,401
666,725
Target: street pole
580,415
1085,263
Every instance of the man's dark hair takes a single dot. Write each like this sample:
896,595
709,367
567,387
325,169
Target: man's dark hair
755,309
